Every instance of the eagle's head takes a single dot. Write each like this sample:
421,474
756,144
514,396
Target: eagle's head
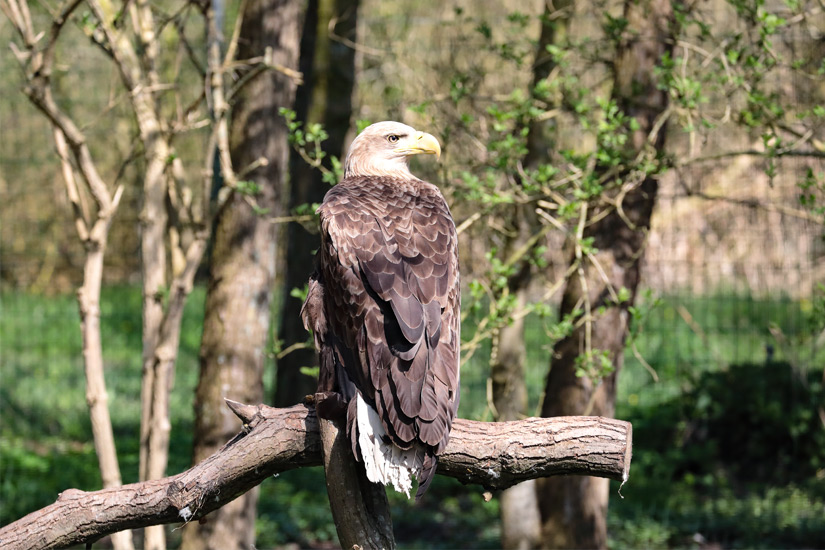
384,149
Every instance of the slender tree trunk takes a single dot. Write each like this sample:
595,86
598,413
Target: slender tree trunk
329,78
157,376
153,270
97,398
244,259
574,509
520,519
88,298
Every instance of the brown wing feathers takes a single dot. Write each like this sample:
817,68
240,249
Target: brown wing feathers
390,269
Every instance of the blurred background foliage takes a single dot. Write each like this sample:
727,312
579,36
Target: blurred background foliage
723,379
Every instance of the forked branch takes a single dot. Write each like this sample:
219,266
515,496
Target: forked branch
494,455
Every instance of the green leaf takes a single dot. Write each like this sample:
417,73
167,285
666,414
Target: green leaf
361,124
247,187
623,295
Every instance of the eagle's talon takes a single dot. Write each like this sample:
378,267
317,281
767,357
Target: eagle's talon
330,405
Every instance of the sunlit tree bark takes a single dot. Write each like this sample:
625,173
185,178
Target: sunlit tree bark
276,440
242,268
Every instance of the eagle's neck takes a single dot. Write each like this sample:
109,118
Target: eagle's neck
366,166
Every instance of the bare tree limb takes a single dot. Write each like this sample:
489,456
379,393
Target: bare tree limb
359,507
81,214
494,455
804,153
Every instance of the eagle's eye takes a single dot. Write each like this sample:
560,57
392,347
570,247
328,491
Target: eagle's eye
392,138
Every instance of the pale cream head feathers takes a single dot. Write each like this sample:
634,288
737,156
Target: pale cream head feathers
384,149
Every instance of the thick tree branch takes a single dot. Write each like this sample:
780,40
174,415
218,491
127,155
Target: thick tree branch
359,507
494,455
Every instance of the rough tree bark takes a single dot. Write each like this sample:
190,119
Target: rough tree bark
574,509
328,66
520,519
243,263
359,507
494,455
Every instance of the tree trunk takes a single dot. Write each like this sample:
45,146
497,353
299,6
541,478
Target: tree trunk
329,77
359,507
574,509
88,298
157,375
242,270
520,519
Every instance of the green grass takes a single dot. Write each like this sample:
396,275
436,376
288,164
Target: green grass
727,445
688,334
683,489
45,435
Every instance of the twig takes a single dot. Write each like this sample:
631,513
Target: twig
288,219
468,222
755,203
294,347
81,214
644,363
751,153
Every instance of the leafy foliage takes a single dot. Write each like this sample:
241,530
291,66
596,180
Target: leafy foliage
307,141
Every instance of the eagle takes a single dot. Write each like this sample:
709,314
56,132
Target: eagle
384,308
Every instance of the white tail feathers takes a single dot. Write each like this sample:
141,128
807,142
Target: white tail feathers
384,462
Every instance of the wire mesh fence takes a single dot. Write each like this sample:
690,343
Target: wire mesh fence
732,259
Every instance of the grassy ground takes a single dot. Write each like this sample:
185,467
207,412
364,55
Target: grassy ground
686,488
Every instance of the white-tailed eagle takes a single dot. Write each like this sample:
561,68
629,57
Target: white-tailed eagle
384,304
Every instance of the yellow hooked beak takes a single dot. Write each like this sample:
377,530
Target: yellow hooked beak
421,143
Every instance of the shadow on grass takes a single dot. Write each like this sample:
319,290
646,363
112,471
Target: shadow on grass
737,460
